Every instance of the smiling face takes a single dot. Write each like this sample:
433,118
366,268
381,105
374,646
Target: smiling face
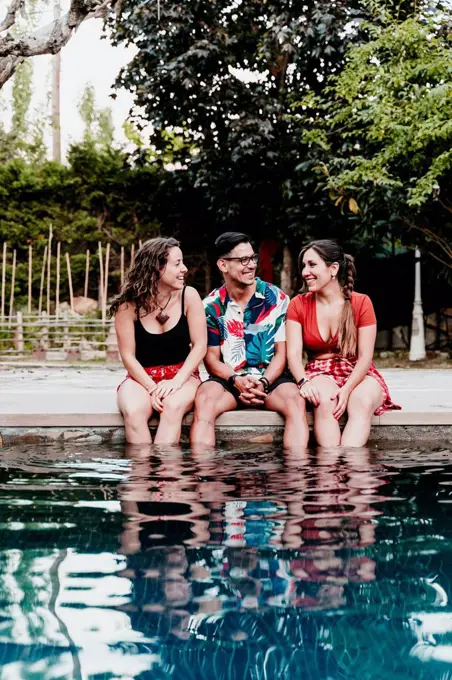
232,268
173,275
316,272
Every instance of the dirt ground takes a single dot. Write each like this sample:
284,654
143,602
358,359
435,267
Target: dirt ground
399,359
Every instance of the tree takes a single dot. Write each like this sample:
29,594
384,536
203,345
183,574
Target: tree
15,48
383,132
99,128
224,75
25,138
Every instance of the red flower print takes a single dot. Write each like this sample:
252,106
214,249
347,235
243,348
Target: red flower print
266,311
235,328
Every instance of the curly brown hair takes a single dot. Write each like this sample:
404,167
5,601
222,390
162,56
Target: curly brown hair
141,284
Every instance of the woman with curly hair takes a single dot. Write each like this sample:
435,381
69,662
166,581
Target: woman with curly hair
162,337
337,328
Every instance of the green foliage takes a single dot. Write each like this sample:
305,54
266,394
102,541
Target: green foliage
383,131
22,92
25,139
224,75
99,128
98,196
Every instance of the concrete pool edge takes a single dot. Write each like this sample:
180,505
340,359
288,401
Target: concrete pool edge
263,433
63,404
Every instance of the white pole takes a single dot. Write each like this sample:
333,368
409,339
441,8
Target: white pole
417,344
49,259
3,303
19,332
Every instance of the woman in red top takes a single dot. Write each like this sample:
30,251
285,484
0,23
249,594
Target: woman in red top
337,328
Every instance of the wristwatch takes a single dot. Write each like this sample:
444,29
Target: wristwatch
231,379
302,381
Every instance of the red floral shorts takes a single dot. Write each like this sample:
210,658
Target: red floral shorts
159,373
340,369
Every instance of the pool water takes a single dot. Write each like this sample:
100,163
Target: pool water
244,564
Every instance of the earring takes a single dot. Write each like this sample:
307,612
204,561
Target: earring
333,276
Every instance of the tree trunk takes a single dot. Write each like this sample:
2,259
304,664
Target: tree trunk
207,276
287,272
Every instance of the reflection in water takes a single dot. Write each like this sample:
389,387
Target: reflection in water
230,564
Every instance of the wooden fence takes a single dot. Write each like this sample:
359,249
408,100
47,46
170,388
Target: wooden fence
45,271
62,337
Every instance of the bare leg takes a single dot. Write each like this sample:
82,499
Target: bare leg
211,401
135,405
326,428
174,408
363,401
286,400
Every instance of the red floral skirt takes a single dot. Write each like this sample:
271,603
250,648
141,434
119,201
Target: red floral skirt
159,373
340,369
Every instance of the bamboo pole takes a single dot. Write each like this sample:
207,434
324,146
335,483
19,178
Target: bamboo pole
41,285
85,290
69,278
105,292
57,291
66,339
122,266
19,335
132,254
49,258
30,275
101,276
13,281
5,245
45,343
140,243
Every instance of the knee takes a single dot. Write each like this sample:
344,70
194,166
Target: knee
294,406
362,406
326,404
135,415
172,410
204,403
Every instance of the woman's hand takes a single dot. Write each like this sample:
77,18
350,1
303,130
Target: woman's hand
156,402
342,395
167,387
310,393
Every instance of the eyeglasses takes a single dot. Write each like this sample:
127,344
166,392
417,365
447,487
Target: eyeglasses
244,261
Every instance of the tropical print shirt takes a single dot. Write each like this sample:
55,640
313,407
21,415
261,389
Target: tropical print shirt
247,338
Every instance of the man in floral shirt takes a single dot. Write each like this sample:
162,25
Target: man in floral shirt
246,354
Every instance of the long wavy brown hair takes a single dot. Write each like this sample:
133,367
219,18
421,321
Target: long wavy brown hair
141,284
331,252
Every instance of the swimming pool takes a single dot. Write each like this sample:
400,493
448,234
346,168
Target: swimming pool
241,564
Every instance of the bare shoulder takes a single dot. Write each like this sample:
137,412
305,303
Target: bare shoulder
192,295
126,310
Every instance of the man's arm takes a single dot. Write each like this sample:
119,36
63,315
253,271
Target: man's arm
277,365
214,364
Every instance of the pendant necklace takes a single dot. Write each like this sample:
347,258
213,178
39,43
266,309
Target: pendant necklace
162,317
